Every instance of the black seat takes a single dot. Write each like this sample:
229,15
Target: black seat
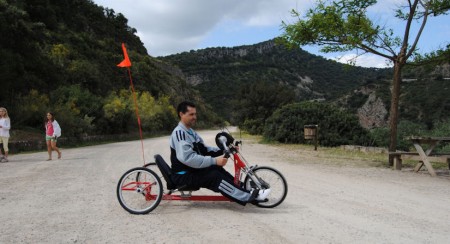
166,171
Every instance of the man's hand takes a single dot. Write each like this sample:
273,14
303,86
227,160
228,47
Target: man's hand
221,161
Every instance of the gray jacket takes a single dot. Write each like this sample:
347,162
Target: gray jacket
188,149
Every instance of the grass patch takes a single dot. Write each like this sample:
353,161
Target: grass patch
410,163
242,135
296,153
333,155
341,157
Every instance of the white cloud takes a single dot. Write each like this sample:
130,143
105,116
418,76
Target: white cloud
265,12
366,60
167,27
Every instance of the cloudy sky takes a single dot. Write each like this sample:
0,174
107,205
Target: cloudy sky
173,26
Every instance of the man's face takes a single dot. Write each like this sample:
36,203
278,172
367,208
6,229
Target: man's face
190,117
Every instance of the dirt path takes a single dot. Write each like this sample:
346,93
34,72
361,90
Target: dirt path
73,200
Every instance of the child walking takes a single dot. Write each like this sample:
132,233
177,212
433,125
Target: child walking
52,132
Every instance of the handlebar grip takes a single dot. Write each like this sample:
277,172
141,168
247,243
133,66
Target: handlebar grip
227,155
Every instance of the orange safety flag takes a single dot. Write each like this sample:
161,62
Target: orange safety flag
126,62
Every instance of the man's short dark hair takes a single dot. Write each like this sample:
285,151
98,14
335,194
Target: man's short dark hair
183,107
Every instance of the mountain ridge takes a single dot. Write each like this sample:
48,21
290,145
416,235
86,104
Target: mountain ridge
212,70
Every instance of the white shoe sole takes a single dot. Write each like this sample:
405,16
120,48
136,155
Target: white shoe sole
263,194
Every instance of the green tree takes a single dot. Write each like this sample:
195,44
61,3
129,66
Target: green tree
344,25
156,114
75,109
117,110
32,109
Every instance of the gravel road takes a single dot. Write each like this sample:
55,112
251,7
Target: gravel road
73,200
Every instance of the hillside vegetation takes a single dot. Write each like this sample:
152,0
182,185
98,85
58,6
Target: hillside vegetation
61,56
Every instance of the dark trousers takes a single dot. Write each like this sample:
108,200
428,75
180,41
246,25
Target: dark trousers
210,178
204,178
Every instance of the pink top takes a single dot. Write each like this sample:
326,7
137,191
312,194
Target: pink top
50,128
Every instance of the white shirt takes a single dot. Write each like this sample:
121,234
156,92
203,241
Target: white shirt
6,125
56,129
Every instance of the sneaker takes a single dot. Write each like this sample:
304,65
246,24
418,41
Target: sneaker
262,194
254,193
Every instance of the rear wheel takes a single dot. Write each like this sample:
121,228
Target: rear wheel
149,165
139,190
272,179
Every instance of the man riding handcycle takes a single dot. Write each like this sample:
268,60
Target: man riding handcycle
195,166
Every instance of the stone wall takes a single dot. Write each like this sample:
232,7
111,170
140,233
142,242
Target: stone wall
364,149
39,145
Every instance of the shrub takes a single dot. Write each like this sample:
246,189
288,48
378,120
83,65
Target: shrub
380,136
336,126
441,129
406,128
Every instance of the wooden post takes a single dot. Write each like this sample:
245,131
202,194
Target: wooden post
311,132
397,162
316,139
448,162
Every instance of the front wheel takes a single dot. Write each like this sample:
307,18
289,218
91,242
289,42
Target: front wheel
270,178
139,190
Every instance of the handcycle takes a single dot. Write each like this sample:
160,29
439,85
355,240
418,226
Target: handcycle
140,190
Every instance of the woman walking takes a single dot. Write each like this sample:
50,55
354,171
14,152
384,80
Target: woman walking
52,132
5,125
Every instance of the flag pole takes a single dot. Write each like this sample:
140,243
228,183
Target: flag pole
137,113
126,63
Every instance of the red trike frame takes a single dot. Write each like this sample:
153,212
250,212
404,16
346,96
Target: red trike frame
238,165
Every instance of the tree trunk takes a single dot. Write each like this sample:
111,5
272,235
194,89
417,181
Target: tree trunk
393,119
